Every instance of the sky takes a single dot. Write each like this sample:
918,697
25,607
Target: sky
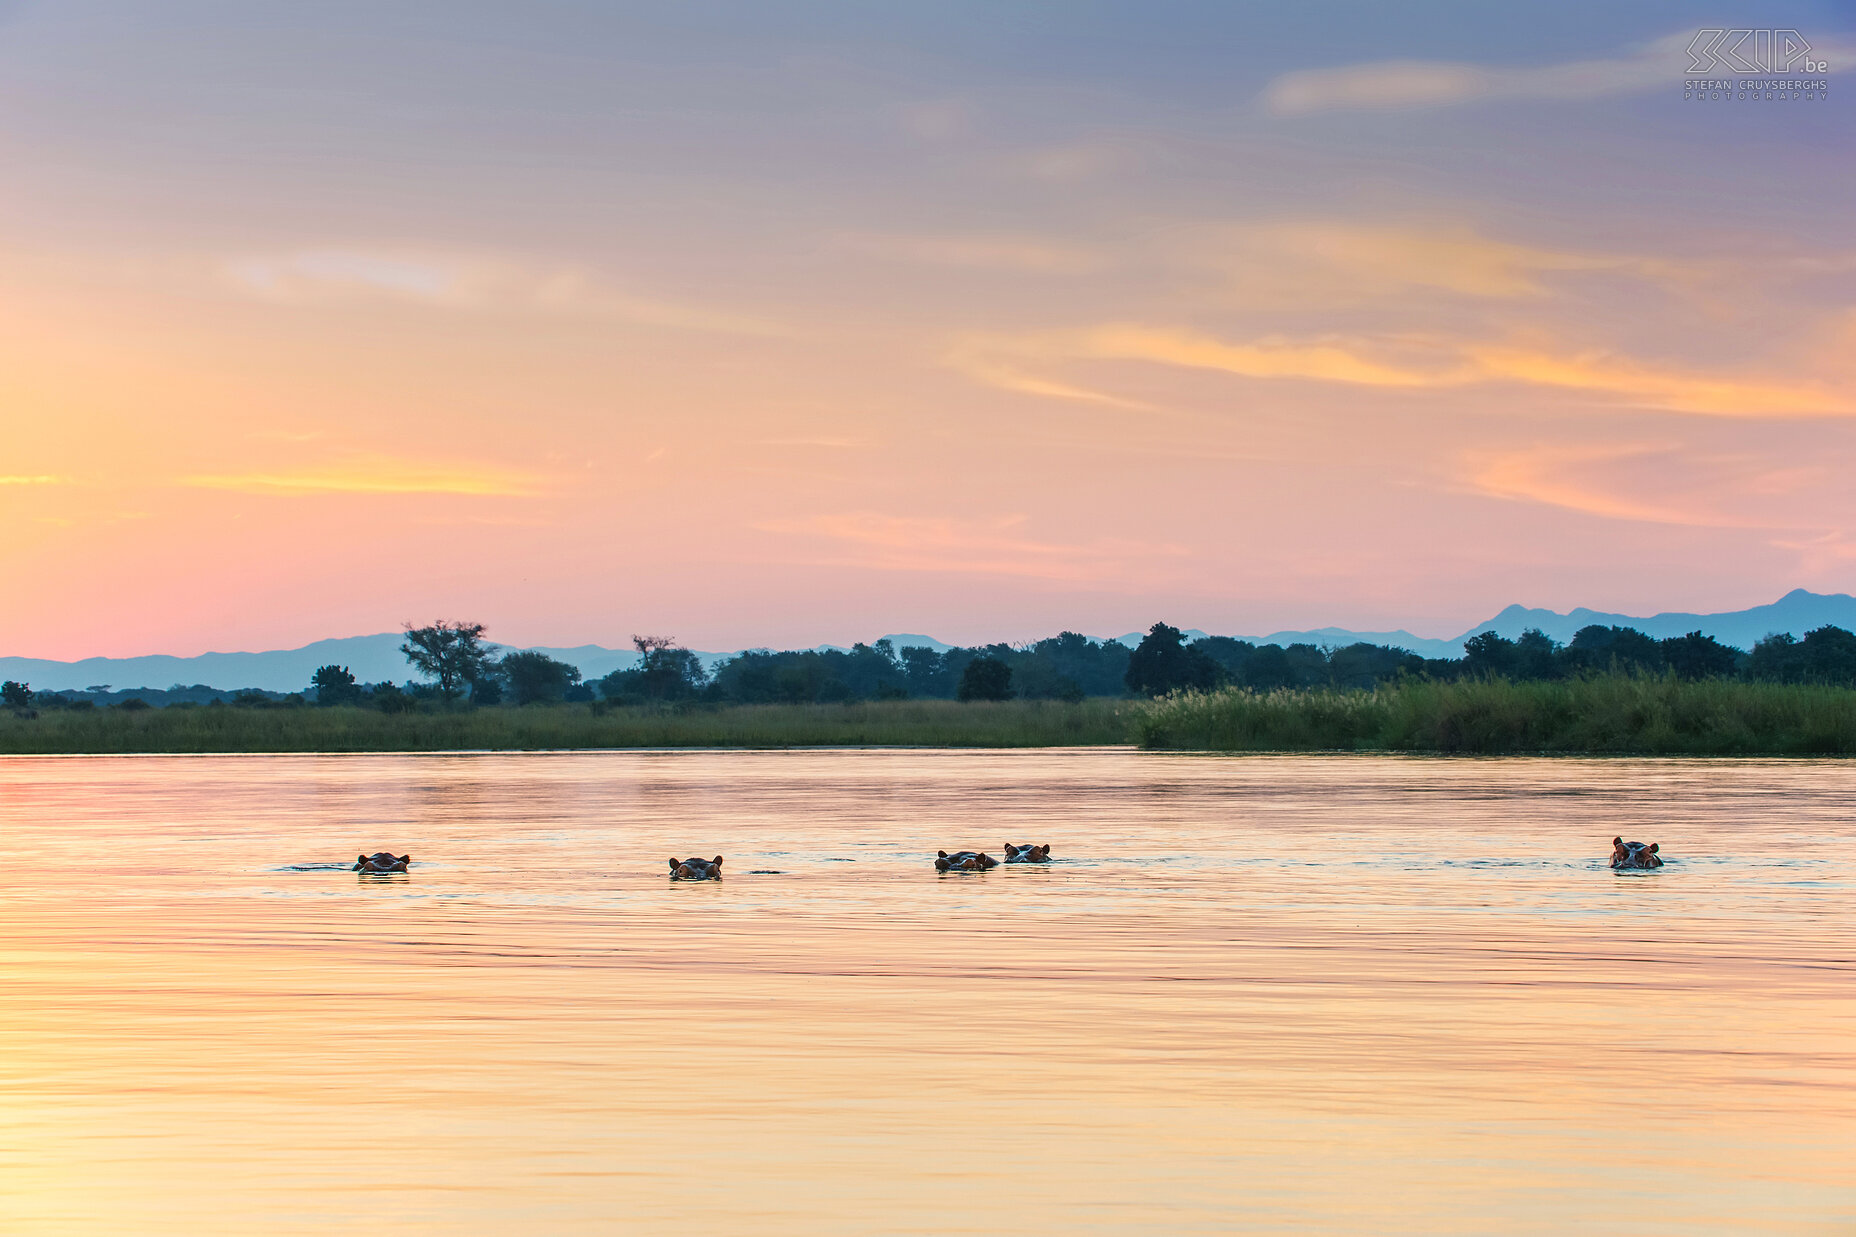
783,323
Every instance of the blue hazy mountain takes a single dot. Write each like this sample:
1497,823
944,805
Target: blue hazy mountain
371,659
377,658
1797,612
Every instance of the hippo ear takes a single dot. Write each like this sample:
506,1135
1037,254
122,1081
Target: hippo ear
360,858
1653,846
405,858
1047,848
718,861
1617,841
673,865
941,854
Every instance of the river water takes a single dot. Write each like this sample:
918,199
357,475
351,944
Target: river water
1333,994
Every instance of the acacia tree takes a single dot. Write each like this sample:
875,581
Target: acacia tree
452,653
663,672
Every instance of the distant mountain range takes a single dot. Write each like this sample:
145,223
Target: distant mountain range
375,659
371,659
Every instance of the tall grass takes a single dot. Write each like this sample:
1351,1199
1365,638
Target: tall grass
924,723
1605,714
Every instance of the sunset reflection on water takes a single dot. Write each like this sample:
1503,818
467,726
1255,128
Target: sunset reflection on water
1332,993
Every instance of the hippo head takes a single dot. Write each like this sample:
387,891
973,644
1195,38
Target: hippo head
382,861
1634,854
696,869
964,861
1027,854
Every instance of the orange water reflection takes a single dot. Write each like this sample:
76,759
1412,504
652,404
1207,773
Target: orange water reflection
1377,995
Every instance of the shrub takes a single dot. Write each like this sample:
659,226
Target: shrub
388,698
535,677
985,678
335,685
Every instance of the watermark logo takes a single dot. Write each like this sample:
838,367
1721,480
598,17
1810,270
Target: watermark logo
1751,51
1756,66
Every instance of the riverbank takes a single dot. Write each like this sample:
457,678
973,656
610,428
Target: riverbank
1604,715
900,723
1601,715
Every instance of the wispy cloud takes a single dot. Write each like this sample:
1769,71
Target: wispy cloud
1399,84
1543,475
1665,388
1322,360
375,476
976,362
1826,551
462,282
32,479
1350,260
320,273
1017,254
975,547
1665,483
1418,362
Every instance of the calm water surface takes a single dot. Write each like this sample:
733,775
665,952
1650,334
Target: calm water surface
1260,993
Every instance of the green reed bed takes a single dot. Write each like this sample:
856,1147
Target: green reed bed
924,723
1602,714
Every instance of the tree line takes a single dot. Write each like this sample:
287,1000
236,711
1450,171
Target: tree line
460,668
1070,666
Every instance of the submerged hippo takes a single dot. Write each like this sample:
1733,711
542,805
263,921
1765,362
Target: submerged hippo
1634,854
1027,854
696,869
964,861
382,861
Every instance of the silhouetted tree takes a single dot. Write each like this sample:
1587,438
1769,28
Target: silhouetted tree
16,695
1614,649
1069,666
663,672
1536,655
334,685
872,670
1163,663
985,678
1776,659
388,698
1269,668
486,688
925,671
452,653
1830,655
1489,653
1039,678
535,677
1696,656
1364,665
